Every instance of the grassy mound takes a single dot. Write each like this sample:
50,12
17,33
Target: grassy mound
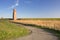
10,30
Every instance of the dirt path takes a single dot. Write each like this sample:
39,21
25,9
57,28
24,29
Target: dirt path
38,34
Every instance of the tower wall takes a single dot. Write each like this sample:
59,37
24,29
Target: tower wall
14,14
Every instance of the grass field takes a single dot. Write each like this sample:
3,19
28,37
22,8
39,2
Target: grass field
10,30
53,23
39,18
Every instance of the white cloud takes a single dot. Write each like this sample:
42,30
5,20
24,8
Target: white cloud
15,5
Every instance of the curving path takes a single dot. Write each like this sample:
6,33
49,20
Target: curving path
38,34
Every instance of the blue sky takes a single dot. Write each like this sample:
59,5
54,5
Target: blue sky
31,8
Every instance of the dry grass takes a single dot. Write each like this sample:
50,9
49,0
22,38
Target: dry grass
53,24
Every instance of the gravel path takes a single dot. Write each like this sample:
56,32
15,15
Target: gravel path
38,34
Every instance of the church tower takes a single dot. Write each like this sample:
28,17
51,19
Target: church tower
14,14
